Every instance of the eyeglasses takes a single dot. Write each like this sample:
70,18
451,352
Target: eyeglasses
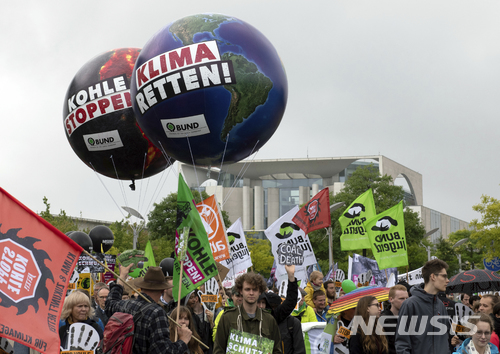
481,333
377,304
445,276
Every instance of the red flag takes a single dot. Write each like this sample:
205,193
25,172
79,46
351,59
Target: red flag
315,214
36,263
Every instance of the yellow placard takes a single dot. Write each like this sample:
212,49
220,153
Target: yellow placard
208,298
344,332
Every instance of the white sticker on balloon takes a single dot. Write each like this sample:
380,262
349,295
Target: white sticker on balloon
185,127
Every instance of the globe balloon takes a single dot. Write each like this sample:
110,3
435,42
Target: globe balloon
209,88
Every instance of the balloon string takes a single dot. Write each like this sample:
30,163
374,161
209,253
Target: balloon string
164,177
106,188
122,189
194,165
222,162
240,174
142,179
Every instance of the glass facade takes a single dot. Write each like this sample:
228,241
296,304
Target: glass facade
454,224
435,222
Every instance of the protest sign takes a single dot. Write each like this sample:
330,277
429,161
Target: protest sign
290,254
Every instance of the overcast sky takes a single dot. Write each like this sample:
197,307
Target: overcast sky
415,81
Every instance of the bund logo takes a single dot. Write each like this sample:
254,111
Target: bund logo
384,224
232,236
286,230
354,211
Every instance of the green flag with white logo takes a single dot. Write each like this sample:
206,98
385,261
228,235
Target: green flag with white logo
191,245
386,232
354,236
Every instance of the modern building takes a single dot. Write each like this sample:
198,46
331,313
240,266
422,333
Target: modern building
260,191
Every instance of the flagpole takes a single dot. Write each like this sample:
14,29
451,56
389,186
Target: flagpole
140,294
179,296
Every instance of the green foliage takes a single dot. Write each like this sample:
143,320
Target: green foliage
62,222
472,252
444,251
487,230
262,258
386,195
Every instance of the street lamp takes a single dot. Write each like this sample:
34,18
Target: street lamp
428,248
458,244
138,228
333,207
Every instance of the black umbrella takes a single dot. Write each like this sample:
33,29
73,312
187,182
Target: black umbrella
474,281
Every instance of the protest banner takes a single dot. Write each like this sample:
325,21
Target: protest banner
239,259
215,228
413,278
354,235
362,265
315,214
37,263
198,263
386,232
285,231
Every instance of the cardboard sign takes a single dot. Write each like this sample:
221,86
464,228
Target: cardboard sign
344,332
208,298
242,342
459,329
290,254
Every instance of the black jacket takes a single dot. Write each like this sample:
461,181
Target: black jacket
389,322
291,336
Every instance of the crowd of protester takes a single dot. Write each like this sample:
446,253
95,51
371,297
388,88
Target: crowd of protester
249,306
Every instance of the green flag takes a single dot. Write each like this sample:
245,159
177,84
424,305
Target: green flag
148,253
354,236
387,237
191,238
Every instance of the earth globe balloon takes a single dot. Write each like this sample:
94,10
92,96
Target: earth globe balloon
209,88
167,266
82,239
102,238
99,121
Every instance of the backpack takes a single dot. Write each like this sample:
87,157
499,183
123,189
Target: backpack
119,332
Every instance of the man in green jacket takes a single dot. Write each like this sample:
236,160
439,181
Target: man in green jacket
248,317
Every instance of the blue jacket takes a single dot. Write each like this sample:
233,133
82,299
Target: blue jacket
461,349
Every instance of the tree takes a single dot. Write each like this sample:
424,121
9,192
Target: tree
262,257
471,252
487,230
386,195
162,223
62,222
444,251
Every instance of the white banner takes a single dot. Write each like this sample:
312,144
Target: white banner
284,230
240,256
364,271
414,277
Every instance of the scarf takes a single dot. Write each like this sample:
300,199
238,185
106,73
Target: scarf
471,349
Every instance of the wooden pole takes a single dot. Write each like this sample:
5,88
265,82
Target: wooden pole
140,294
407,276
179,297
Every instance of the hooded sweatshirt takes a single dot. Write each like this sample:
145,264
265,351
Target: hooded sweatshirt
419,316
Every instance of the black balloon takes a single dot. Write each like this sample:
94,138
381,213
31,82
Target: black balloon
101,236
167,266
99,121
82,239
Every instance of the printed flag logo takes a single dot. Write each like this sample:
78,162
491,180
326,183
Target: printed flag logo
354,211
384,224
314,215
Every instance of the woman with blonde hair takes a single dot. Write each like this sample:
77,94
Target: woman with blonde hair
374,341
185,319
76,309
